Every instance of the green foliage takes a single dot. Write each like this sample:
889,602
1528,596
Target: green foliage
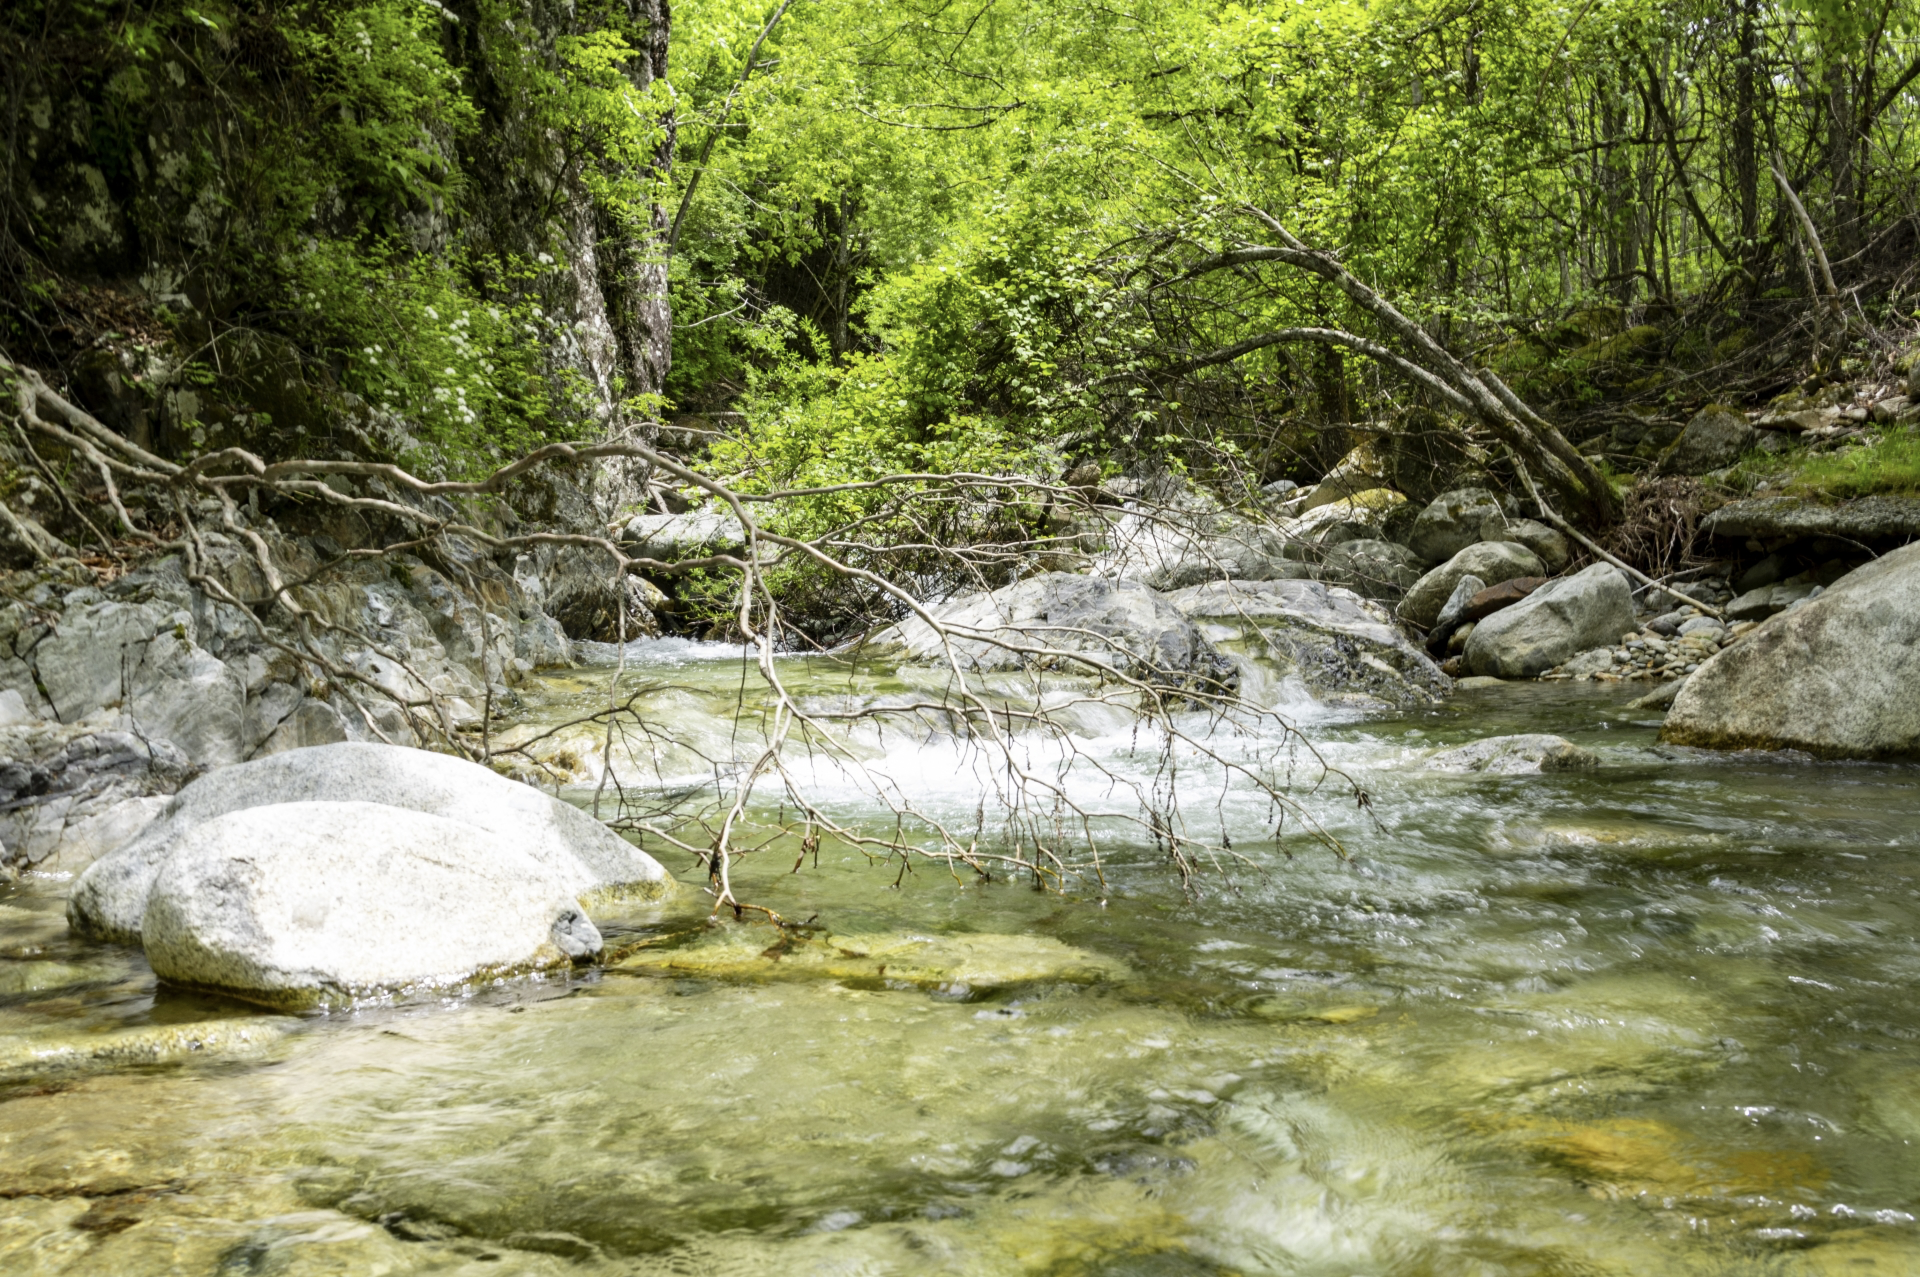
368,187
1889,463
1499,171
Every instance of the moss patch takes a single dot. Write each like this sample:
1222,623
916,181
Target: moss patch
952,962
1887,463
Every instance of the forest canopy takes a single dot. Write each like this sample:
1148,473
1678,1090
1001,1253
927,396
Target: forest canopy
938,227
841,238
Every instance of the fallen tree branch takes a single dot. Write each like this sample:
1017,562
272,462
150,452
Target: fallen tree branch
1554,518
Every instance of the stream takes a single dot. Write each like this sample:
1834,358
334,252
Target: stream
1658,1017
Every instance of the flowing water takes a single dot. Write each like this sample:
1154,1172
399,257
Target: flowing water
1654,1018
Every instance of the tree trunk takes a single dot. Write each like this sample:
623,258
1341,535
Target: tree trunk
1842,228
1746,147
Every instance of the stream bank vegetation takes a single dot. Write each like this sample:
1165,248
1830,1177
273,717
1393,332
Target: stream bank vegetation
912,294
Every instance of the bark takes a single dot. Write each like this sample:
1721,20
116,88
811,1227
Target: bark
1841,145
1746,147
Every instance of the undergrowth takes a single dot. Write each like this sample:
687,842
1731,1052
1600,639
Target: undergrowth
1887,465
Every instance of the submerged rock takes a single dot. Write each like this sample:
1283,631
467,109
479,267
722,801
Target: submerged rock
589,861
1514,755
1045,622
1575,613
308,904
1342,647
956,963
40,1057
1837,676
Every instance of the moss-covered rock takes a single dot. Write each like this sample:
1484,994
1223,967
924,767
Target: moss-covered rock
955,963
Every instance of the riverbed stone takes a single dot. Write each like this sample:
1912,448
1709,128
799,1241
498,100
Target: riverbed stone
1715,438
1661,697
1515,755
1363,469
955,964
1875,519
324,904
1769,600
1354,516
1495,598
1231,548
1453,612
1491,561
1595,660
1549,545
1372,568
1342,649
1452,522
1570,615
1061,621
588,859
44,1057
1837,676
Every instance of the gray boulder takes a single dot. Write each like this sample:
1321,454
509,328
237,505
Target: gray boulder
1837,676
1595,660
1514,755
142,657
671,537
584,856
312,722
1371,568
1456,605
1758,605
1235,549
1059,621
1491,561
1592,607
1341,648
1660,697
1451,522
1715,438
304,904
1549,545
1779,519
1891,409
69,793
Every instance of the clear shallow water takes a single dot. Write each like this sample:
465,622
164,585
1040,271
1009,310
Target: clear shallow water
1654,1019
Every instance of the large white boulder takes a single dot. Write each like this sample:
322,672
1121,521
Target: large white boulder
1838,675
589,860
308,904
1592,607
